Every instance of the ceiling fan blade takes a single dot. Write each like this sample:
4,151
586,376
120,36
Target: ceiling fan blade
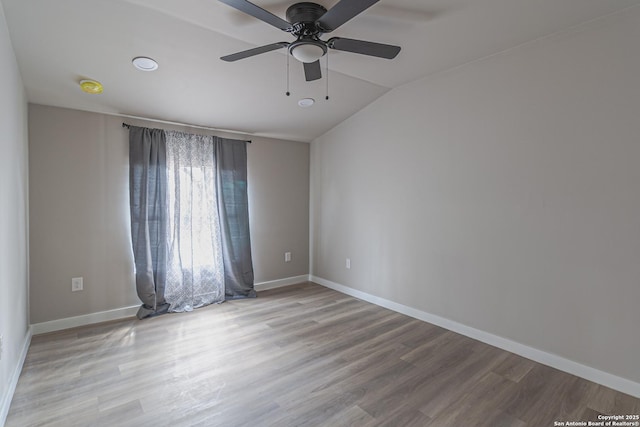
362,47
312,71
254,51
258,12
343,11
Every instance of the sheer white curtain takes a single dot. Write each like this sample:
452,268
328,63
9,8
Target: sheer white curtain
195,274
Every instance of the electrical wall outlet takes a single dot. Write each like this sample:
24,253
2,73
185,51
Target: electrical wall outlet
76,284
287,257
347,263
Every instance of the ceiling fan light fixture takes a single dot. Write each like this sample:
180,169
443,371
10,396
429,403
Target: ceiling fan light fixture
307,51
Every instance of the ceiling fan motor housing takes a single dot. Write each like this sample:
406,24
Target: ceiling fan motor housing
303,17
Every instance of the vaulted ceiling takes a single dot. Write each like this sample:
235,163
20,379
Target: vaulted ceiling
58,43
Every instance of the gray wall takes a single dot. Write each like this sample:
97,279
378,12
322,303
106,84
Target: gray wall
503,195
279,207
80,220
14,280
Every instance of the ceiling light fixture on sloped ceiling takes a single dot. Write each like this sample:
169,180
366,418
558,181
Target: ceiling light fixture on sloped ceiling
91,86
144,63
306,102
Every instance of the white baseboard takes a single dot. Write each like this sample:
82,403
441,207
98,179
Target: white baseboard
272,284
13,381
609,380
86,319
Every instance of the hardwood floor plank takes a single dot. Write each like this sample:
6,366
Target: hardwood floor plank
302,355
352,416
514,367
478,402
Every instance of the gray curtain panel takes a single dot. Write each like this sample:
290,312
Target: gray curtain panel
148,203
233,209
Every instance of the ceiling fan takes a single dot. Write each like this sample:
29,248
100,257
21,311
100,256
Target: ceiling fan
308,22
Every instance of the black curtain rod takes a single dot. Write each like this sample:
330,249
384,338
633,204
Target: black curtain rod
128,126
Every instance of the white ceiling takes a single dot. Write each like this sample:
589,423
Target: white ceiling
58,43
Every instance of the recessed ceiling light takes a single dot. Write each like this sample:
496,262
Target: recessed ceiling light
145,64
306,102
91,86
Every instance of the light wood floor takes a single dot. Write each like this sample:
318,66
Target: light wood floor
297,356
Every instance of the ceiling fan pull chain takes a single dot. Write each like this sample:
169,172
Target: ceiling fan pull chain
327,76
288,93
